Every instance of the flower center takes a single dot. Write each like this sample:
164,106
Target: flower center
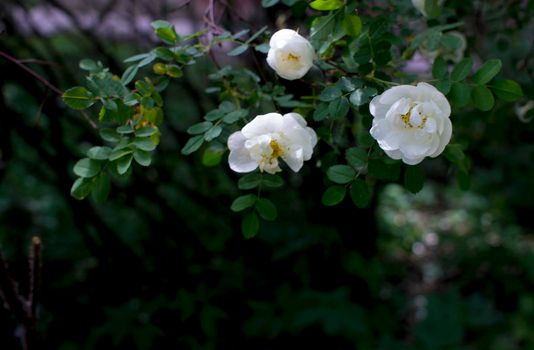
414,120
277,150
291,57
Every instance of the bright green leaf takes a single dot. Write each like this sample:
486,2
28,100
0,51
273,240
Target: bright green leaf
352,24
326,5
87,167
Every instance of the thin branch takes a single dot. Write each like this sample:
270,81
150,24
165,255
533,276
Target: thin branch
31,72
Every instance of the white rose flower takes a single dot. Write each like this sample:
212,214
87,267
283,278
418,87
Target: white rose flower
411,122
290,54
420,5
268,137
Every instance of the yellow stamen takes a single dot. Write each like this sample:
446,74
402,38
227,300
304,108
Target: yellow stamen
291,57
277,150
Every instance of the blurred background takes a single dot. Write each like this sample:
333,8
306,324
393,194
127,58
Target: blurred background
162,264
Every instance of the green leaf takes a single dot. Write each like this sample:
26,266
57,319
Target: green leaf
249,181
142,158
482,98
443,85
463,180
213,133
361,96
160,24
360,193
356,157
326,5
266,209
341,174
109,135
272,181
439,68
212,156
333,195
193,144
507,90
234,116
238,50
352,25
321,112
146,131
454,153
263,48
125,129
119,153
459,95
432,8
250,225
81,188
144,144
173,71
78,98
123,164
384,171
199,128
89,65
338,108
488,70
257,34
129,74
462,69
243,202
330,94
269,3
167,34
99,153
414,178
101,188
87,167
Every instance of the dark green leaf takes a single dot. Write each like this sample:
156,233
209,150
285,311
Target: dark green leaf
463,180
326,5
199,128
249,181
87,167
272,181
99,153
432,8
142,158
459,95
123,164
144,143
78,98
250,225
238,50
383,171
482,98
356,157
81,188
352,25
193,144
339,108
333,195
321,112
361,96
266,209
119,152
414,178
234,116
488,70
507,90
243,202
439,68
443,85
462,69
101,187
360,193
341,174
330,94
125,129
